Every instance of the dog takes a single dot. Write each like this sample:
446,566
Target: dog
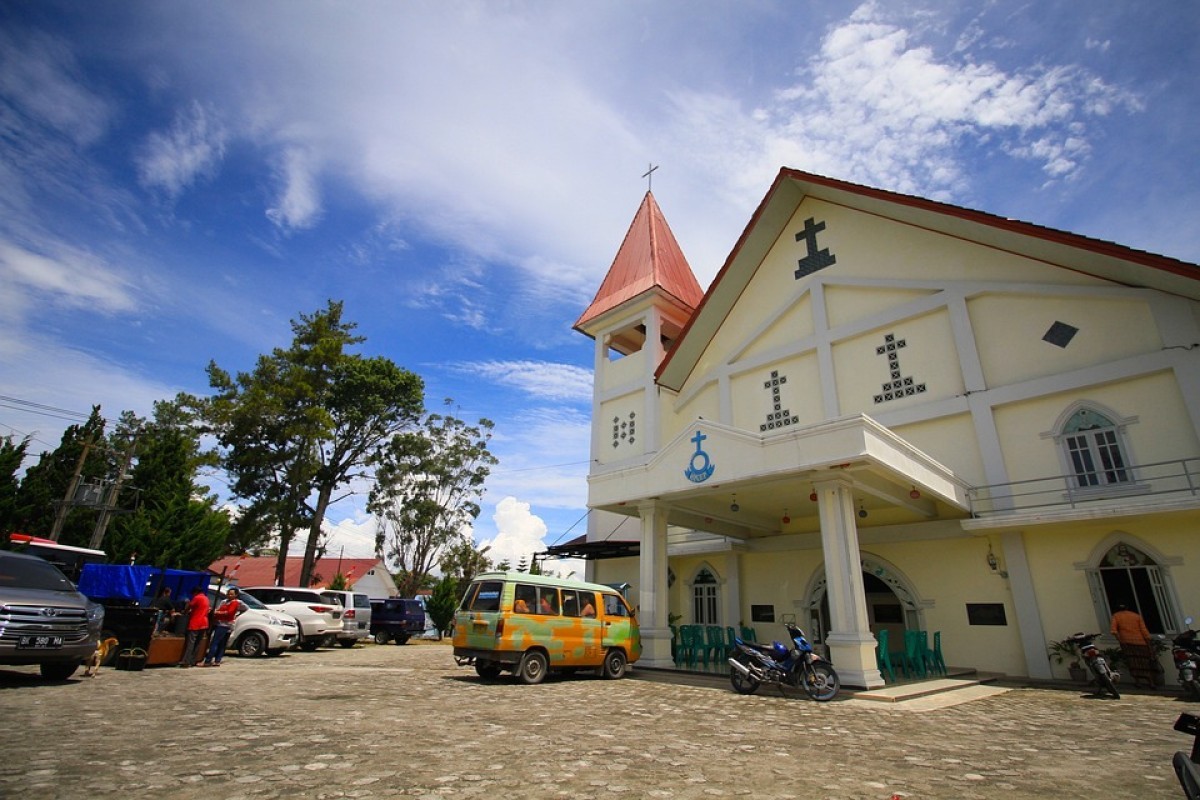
97,658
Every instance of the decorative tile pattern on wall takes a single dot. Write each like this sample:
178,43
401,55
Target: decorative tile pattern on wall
898,386
1060,334
623,430
778,416
816,258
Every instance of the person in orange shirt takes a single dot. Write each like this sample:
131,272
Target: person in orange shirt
1134,638
196,612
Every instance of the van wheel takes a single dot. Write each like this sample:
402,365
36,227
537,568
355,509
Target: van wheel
382,637
401,638
614,664
533,667
252,644
487,669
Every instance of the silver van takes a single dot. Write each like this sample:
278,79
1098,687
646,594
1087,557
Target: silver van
43,619
356,615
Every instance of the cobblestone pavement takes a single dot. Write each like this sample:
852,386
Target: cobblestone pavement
388,721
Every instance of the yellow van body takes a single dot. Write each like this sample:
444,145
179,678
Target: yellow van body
533,624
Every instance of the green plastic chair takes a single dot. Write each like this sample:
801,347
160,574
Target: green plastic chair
693,643
933,658
883,658
748,634
915,645
715,646
730,643
674,643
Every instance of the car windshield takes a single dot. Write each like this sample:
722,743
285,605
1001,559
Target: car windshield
33,573
251,601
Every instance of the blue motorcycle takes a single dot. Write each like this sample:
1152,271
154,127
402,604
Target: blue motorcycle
796,665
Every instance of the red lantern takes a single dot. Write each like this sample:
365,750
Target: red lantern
915,494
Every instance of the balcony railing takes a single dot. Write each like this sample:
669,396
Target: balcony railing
1140,484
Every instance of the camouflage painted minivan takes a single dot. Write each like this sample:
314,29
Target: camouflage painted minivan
531,624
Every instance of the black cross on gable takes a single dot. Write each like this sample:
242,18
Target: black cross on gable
899,386
816,259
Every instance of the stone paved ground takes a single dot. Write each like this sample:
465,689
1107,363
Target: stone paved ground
376,722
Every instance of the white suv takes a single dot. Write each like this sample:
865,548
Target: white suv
258,631
356,615
320,621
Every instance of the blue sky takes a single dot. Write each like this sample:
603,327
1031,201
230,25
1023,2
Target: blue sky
179,180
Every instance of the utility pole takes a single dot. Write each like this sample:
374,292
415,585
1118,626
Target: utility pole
60,514
110,502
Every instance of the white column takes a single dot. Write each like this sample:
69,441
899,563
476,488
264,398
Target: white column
652,587
731,592
1029,618
851,645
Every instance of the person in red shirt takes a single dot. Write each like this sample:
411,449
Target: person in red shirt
223,618
196,612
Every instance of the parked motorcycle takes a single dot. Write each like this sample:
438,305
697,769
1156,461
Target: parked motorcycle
1106,676
1186,652
794,664
1187,767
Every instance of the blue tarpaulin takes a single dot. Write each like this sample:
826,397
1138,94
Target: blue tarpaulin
137,584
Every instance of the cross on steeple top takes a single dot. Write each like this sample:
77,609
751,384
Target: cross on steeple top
649,176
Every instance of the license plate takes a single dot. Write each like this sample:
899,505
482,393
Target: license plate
39,642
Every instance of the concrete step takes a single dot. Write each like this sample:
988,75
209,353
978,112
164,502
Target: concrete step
956,679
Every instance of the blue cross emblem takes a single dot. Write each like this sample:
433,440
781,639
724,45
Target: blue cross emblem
701,473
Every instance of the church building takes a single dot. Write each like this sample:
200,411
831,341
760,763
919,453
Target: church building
893,414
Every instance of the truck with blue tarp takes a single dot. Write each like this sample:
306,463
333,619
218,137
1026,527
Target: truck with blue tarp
127,593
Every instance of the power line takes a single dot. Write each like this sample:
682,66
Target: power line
41,408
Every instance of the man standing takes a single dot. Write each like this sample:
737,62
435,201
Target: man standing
196,612
224,617
1134,638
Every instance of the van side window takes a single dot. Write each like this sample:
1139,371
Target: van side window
487,597
547,601
525,599
570,603
614,606
587,604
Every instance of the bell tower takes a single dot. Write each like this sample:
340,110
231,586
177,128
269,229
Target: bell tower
646,299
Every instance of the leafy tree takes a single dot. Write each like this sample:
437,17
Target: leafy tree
46,482
11,456
427,489
302,425
339,583
174,524
463,560
442,602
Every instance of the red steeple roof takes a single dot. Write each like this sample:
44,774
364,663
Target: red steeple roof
649,258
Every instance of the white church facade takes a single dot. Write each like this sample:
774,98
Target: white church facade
888,413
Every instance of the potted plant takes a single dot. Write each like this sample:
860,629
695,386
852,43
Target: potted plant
1066,650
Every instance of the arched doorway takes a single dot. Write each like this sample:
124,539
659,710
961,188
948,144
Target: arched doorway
892,603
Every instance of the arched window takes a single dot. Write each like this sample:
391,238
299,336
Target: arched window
1128,577
705,598
1092,445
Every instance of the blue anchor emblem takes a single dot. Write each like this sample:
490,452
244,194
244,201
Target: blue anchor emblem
701,473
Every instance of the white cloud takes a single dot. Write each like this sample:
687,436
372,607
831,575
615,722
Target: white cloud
66,277
542,379
519,534
40,75
191,149
349,537
299,202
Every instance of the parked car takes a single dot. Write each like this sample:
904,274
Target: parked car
320,621
356,615
396,619
259,631
44,620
